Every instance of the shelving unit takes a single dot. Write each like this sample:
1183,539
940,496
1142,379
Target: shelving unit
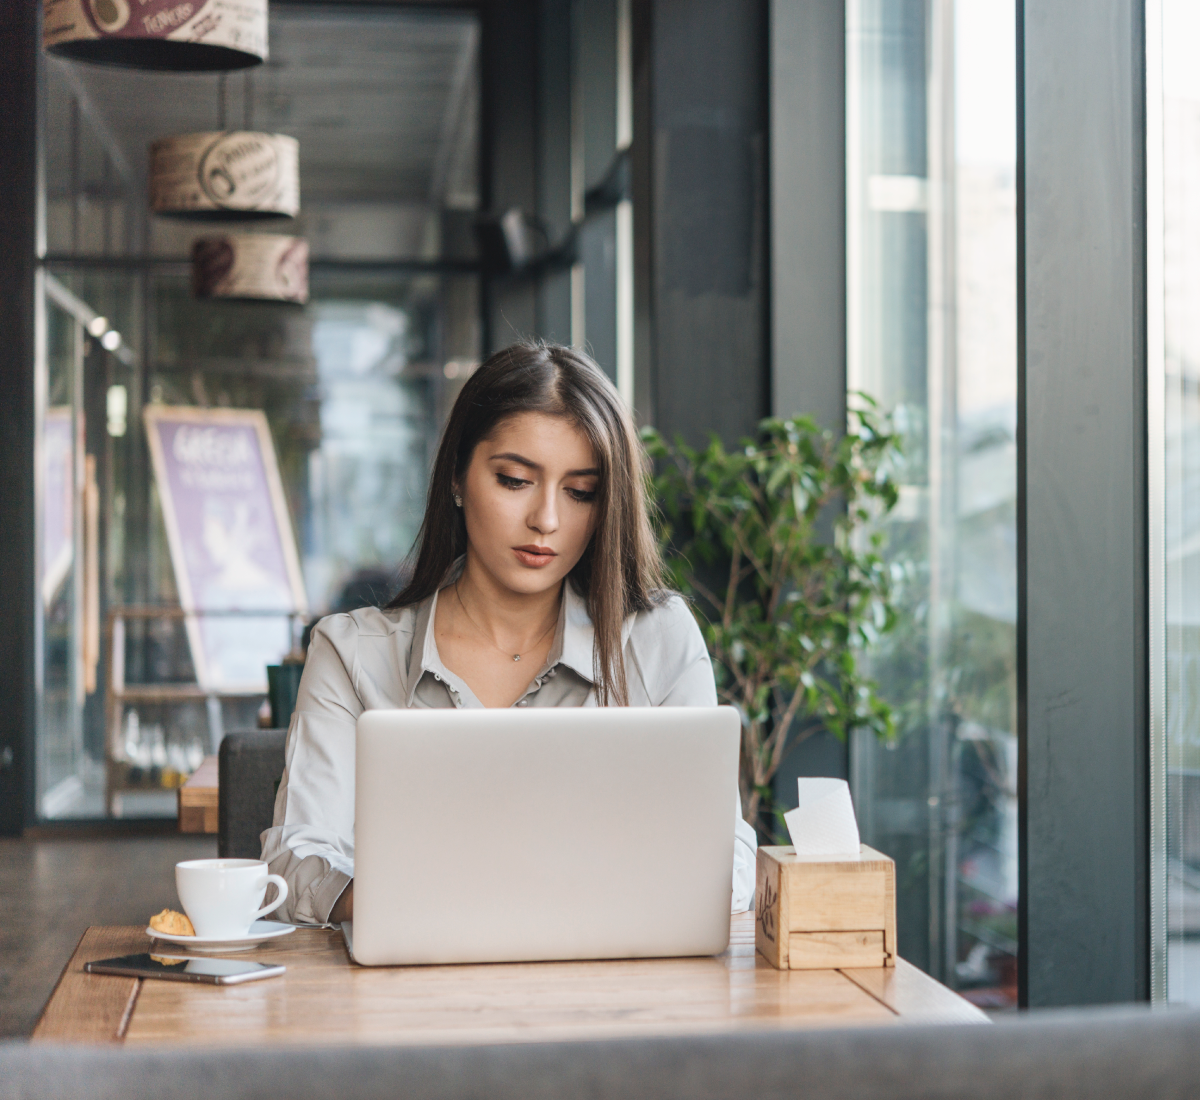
118,777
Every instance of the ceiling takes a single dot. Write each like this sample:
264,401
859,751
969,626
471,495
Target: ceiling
383,101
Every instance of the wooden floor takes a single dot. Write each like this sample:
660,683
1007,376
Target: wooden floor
52,889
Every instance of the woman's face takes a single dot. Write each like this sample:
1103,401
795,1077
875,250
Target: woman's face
529,501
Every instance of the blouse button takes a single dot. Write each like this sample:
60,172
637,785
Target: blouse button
523,703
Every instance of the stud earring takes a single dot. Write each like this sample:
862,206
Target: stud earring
457,501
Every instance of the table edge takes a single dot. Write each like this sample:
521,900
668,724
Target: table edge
887,990
41,1019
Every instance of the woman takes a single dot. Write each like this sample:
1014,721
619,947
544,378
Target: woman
537,583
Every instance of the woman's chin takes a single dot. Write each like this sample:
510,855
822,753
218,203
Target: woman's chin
529,581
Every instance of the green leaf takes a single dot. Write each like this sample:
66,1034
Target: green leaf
811,594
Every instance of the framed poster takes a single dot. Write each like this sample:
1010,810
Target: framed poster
231,541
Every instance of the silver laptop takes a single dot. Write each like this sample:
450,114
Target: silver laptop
551,833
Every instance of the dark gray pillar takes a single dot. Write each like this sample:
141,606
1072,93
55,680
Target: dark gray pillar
1082,520
808,256
19,45
707,161
808,209
509,140
596,86
641,154
554,162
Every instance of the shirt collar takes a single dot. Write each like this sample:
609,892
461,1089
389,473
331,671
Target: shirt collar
574,638
422,656
575,644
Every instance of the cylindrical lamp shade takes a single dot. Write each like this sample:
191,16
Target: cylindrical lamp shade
262,267
165,35
227,176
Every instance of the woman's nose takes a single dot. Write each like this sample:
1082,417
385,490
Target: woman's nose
544,517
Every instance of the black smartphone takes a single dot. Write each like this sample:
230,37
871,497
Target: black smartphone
186,968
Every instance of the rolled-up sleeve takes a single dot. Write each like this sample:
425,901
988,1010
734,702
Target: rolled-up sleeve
745,856
695,687
311,841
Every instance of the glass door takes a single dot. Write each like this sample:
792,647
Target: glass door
60,753
159,619
1173,278
931,306
70,773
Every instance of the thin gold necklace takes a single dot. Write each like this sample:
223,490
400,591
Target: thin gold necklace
483,633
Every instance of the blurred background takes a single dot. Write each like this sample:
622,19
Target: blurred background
740,210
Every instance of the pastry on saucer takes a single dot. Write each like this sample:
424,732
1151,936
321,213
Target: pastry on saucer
172,923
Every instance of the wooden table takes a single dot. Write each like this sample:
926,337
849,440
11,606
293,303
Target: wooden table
198,799
325,998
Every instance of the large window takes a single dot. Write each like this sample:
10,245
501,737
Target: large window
384,103
931,229
1174,176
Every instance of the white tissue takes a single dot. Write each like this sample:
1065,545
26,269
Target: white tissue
823,824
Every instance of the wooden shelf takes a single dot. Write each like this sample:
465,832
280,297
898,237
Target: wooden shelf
175,693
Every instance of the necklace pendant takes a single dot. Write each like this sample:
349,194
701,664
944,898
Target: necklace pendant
516,656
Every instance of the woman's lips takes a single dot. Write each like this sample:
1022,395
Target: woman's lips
535,556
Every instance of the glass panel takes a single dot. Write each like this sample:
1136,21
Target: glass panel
1181,315
931,150
353,386
84,461
93,184
61,759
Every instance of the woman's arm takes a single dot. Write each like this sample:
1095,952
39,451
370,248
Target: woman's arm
745,860
343,909
311,842
684,663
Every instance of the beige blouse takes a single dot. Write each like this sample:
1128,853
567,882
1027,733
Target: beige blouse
374,659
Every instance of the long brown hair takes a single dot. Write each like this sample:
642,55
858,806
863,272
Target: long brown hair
620,572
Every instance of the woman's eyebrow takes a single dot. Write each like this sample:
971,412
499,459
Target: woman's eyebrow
512,456
519,459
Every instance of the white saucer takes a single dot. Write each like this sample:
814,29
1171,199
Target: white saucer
260,931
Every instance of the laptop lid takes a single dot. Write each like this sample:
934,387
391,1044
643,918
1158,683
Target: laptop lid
550,833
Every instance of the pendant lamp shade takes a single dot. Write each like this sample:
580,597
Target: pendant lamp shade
234,175
265,267
164,35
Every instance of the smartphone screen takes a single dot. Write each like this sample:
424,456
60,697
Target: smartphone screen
185,968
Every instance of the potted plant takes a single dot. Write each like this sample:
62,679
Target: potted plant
771,544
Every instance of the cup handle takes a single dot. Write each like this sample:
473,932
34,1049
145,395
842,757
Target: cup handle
283,893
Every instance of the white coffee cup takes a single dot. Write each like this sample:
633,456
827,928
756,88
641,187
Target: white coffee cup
222,896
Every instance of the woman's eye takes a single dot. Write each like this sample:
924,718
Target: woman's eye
511,482
582,495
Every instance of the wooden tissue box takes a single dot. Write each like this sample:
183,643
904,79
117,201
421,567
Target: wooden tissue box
825,912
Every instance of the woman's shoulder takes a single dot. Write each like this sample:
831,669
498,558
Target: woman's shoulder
668,631
669,650
670,612
347,627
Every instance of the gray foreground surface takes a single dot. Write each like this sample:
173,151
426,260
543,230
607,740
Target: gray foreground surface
1121,1053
